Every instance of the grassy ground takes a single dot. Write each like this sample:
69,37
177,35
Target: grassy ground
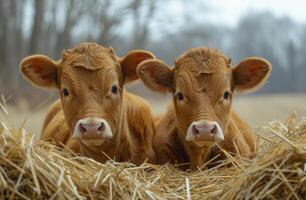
256,110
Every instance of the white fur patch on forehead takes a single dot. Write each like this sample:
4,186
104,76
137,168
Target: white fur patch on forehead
202,61
90,56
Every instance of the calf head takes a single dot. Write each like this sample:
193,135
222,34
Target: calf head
203,83
90,79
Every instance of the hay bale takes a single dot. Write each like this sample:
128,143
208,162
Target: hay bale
39,170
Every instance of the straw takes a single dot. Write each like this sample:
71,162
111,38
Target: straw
32,169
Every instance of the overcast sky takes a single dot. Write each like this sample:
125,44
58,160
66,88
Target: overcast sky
227,12
230,11
222,12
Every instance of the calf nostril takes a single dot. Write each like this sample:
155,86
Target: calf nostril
101,127
82,128
195,130
214,129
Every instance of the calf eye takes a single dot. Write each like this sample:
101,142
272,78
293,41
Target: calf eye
180,96
114,89
226,95
65,92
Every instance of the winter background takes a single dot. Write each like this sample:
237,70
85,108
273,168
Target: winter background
273,29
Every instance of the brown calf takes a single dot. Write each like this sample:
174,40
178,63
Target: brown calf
95,115
203,84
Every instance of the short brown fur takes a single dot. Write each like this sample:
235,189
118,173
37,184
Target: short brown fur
202,76
88,72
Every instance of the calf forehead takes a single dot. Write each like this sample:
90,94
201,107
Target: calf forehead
202,61
207,83
89,63
90,56
82,75
203,69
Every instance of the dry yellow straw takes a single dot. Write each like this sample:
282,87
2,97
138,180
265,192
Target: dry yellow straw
38,170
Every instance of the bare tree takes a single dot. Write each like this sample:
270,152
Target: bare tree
108,22
143,12
3,35
11,40
73,12
57,25
37,27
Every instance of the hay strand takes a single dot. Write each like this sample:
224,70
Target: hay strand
37,170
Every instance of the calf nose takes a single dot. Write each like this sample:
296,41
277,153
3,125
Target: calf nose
204,128
92,128
204,131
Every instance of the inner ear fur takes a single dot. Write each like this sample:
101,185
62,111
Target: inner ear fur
156,75
130,62
39,70
251,73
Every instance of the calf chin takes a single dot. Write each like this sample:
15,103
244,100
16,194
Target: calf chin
93,142
201,144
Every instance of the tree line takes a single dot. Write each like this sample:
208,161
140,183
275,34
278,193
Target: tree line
48,27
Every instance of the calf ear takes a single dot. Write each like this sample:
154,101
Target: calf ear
251,73
130,62
39,70
156,75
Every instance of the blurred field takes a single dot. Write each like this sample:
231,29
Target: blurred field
256,110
